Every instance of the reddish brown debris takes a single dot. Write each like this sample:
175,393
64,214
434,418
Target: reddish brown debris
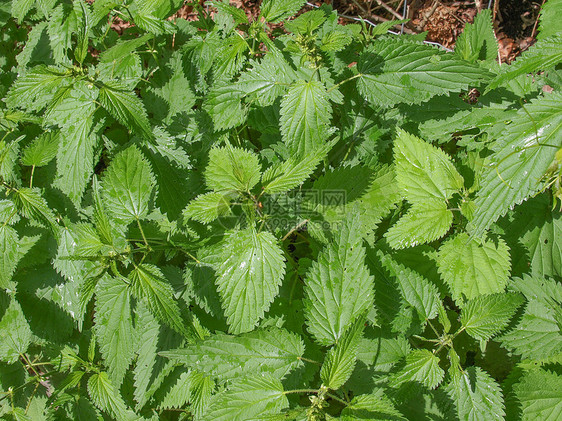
443,20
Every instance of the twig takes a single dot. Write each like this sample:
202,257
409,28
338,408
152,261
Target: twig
375,18
427,15
404,15
537,21
451,13
388,9
360,6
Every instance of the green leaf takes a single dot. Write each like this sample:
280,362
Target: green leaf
545,54
191,387
336,40
539,393
127,186
485,316
175,90
123,48
423,171
36,48
82,13
60,27
383,353
549,19
42,150
62,109
267,79
230,57
150,23
146,367
149,284
423,223
249,276
32,205
232,169
34,90
72,268
15,334
20,8
273,350
305,116
375,406
338,286
520,160
114,327
393,71
170,179
9,153
358,190
10,257
275,11
472,267
422,366
200,394
478,41
340,360
307,22
237,14
224,104
293,172
536,335
75,159
476,396
247,399
125,107
207,207
8,212
416,290
538,228
106,397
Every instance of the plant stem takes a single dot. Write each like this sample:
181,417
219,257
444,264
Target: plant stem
31,177
309,361
433,328
142,234
334,397
296,227
344,81
287,392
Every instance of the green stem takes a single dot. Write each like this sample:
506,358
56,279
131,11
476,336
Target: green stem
296,227
190,255
287,392
433,328
31,177
309,361
30,381
142,234
9,218
6,134
345,81
109,22
334,397
293,286
31,397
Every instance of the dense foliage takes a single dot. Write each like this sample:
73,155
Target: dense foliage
279,218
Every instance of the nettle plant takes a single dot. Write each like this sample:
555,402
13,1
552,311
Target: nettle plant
275,218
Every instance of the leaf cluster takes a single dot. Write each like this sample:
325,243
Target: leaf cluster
275,218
